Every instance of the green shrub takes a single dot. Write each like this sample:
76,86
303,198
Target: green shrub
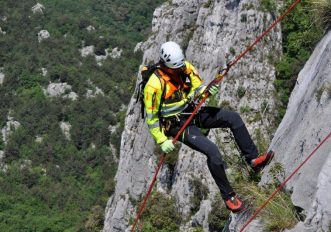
261,142
218,216
300,36
279,214
328,89
200,192
268,5
2,145
207,4
264,107
319,93
243,18
232,51
248,6
160,214
322,10
226,105
245,109
95,219
241,91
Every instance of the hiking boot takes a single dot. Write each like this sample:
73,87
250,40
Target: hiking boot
234,204
260,162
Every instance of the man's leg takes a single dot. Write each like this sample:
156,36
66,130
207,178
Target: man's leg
211,117
197,141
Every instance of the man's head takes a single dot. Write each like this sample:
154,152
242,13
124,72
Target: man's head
171,55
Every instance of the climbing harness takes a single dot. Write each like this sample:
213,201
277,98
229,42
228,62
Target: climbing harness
221,74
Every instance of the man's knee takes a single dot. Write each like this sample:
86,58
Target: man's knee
215,158
234,119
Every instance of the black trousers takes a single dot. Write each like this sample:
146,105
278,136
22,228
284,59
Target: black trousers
211,117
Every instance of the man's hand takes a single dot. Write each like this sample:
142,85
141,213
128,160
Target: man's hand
213,90
167,146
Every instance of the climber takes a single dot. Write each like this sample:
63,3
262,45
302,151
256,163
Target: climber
168,97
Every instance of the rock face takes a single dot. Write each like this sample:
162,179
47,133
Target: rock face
11,125
60,90
38,8
91,93
306,123
44,72
90,28
2,32
2,77
115,53
65,127
211,34
43,35
87,51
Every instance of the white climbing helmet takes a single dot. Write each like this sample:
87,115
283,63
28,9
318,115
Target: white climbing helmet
172,55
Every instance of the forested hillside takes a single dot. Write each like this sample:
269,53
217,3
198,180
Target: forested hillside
54,179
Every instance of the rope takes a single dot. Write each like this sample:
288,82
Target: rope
281,186
143,204
217,80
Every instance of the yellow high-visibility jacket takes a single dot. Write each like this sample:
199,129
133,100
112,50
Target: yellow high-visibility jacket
177,94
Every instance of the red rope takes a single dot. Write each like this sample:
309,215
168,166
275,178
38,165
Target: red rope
281,186
143,204
216,81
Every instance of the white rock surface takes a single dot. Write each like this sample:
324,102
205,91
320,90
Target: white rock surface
43,35
39,139
60,90
116,53
87,51
305,124
90,28
138,47
112,129
2,32
44,72
91,93
2,77
65,127
11,125
101,58
1,155
38,8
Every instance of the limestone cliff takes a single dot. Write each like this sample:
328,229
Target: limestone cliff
212,33
306,123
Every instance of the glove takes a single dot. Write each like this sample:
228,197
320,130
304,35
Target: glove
213,90
167,146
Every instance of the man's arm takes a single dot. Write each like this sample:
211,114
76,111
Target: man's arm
197,87
152,100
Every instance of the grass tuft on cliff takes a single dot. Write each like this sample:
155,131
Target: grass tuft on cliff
322,10
279,214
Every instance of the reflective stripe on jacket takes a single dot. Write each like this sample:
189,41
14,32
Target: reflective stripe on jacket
177,94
